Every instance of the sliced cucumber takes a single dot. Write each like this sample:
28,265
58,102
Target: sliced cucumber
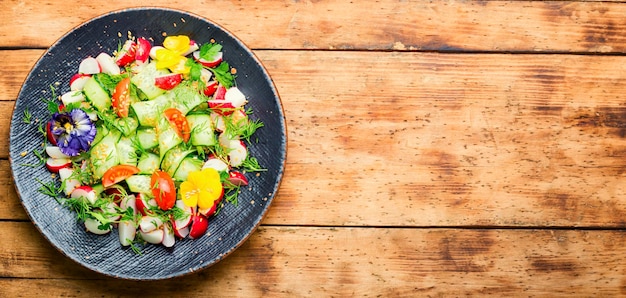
101,132
144,80
126,154
148,112
104,155
139,183
97,96
185,98
148,163
168,137
128,125
188,165
147,138
173,158
202,132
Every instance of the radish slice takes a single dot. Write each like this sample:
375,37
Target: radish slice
127,232
92,225
107,64
70,183
237,153
168,236
72,97
77,82
55,152
149,223
54,165
85,192
235,97
154,237
216,164
89,65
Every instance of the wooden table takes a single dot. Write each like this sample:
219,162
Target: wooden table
443,148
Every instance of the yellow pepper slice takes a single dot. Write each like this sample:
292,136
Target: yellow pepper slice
201,189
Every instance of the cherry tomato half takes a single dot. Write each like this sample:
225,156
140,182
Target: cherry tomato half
121,97
179,121
118,173
163,190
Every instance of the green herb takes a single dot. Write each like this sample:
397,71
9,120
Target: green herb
223,75
27,116
208,51
251,164
50,189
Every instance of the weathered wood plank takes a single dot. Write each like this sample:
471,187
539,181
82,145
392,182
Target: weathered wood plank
504,140
552,26
351,262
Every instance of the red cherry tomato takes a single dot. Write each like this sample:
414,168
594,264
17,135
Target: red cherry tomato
179,121
121,97
163,190
118,173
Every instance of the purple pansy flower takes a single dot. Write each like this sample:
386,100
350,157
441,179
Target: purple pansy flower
73,131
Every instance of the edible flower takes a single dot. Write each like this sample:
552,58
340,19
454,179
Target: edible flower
172,54
73,131
178,44
202,188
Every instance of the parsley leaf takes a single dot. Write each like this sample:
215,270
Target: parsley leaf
208,51
223,75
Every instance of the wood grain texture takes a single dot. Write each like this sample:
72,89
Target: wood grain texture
482,139
526,26
299,262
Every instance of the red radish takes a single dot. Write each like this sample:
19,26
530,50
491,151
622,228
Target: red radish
49,134
154,237
169,81
168,236
150,223
206,63
237,152
235,97
143,205
55,152
182,233
143,50
77,82
221,107
107,64
199,225
127,232
185,220
89,65
66,177
210,211
237,178
193,46
72,97
220,93
127,54
86,192
153,51
210,88
92,225
54,165
129,202
216,164
110,209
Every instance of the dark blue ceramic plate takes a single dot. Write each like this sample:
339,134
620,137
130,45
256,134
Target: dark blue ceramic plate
103,254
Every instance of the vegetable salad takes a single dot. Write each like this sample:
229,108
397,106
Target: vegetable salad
151,140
